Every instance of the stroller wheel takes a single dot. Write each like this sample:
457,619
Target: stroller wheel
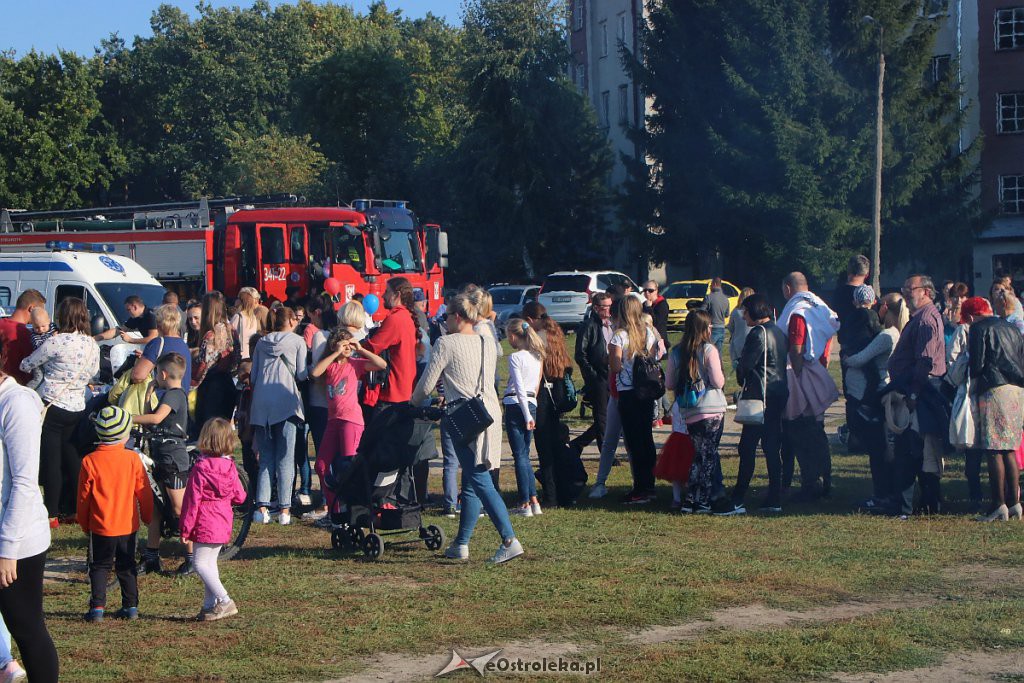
433,537
340,539
355,537
373,546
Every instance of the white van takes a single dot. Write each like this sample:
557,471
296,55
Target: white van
90,272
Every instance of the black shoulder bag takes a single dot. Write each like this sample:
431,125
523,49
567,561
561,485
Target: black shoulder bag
467,418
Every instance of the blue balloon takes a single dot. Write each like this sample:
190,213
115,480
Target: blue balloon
370,304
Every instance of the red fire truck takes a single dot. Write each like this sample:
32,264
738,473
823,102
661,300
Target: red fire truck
270,243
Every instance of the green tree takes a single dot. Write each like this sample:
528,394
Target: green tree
531,171
762,134
55,145
273,162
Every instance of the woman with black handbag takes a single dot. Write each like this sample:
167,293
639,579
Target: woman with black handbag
761,371
465,362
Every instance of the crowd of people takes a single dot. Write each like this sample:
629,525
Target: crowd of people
924,373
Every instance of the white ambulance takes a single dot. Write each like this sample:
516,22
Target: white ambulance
91,272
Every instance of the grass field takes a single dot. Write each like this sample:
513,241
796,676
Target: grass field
804,595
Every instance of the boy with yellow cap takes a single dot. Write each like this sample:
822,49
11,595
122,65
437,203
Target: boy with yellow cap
113,493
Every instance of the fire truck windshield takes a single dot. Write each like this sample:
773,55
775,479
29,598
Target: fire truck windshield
402,252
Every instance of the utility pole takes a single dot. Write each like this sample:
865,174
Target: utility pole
876,238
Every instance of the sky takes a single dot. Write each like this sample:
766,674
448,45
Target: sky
79,25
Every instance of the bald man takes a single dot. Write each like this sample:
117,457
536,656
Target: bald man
810,326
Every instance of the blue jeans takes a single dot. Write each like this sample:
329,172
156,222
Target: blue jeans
450,471
478,490
276,446
519,438
302,458
610,443
5,645
718,338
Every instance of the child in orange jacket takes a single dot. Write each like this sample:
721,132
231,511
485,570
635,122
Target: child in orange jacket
113,493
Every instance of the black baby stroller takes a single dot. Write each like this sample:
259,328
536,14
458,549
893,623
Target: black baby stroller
375,489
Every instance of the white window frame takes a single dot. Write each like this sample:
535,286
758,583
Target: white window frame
1014,102
624,104
580,76
1006,20
622,28
577,15
606,97
1011,194
604,38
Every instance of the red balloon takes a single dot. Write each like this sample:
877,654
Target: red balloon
332,286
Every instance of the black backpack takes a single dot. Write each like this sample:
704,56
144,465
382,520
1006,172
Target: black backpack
648,378
563,393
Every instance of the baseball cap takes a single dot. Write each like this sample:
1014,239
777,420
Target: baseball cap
418,295
112,424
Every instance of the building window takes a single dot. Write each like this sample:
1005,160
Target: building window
577,15
581,76
1009,28
1011,112
624,105
1011,194
605,97
622,28
939,68
604,38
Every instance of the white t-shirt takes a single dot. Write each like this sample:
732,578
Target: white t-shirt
624,380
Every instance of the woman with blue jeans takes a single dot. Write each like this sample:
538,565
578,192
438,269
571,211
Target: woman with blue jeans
464,361
278,364
524,374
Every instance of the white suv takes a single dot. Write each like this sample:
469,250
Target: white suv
566,294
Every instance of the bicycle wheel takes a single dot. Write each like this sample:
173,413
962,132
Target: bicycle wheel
243,517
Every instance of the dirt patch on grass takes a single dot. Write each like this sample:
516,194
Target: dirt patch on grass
983,575
400,667
988,665
65,570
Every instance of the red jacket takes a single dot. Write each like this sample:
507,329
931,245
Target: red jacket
397,335
16,338
110,482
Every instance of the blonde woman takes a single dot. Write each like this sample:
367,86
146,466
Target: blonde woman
244,322
459,359
216,395
525,365
632,339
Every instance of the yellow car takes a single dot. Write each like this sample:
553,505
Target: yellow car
686,295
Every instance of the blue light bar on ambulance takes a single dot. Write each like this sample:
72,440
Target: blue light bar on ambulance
81,246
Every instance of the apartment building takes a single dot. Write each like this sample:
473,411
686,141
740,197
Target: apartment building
1000,98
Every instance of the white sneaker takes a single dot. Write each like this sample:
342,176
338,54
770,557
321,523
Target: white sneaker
524,511
260,517
507,552
304,499
284,519
598,491
535,507
12,672
457,552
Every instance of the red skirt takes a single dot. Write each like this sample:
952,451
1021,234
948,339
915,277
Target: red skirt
675,459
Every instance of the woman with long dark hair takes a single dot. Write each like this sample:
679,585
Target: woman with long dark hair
67,361
551,433
216,395
24,533
694,362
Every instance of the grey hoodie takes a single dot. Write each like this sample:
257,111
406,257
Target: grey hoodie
278,362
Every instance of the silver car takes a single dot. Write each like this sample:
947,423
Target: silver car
566,294
509,301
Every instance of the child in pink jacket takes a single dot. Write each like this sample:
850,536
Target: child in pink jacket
206,515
